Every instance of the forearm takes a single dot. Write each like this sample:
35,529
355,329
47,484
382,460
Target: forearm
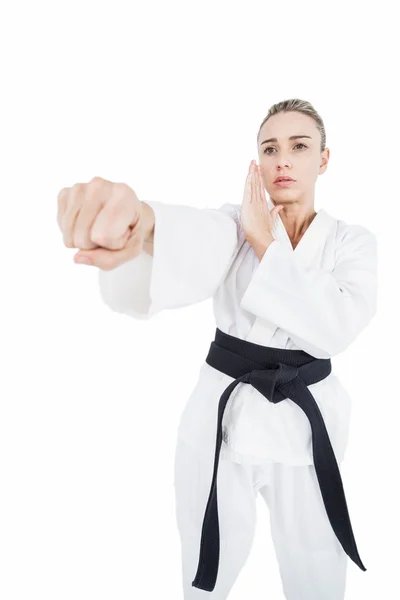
188,265
148,223
260,246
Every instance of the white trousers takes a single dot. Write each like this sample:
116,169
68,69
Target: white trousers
312,563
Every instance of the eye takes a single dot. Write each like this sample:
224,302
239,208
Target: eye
271,147
267,148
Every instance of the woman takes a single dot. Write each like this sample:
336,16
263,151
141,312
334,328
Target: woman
291,287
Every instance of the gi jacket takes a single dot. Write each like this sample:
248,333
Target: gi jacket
317,297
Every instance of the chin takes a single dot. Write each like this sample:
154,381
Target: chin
288,193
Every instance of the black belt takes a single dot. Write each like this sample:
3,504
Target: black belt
277,374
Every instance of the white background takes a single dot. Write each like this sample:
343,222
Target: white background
168,97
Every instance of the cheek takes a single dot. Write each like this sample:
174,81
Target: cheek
307,170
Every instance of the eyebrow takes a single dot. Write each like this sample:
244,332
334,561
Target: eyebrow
292,137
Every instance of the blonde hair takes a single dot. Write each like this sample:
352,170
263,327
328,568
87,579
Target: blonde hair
302,106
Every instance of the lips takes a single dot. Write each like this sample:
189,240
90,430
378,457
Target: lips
284,183
278,179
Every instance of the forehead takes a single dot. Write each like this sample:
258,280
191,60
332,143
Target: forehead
283,125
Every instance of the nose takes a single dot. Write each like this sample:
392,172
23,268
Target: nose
283,162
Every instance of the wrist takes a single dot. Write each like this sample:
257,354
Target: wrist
260,246
148,219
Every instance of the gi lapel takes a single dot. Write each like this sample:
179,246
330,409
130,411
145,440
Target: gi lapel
309,251
313,239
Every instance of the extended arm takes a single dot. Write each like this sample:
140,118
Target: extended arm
188,253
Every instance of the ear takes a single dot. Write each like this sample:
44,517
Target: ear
324,161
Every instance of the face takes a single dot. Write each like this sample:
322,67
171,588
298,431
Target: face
300,158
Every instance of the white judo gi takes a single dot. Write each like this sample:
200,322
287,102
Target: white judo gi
317,298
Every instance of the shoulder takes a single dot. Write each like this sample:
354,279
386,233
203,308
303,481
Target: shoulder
354,239
232,211
346,232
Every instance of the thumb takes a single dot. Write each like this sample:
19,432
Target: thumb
275,211
103,258
108,258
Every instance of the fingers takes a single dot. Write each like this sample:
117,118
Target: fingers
85,218
277,209
252,183
73,202
78,206
260,189
103,219
61,205
116,221
110,259
98,213
252,187
246,193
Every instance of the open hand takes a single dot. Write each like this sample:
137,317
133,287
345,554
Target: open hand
257,220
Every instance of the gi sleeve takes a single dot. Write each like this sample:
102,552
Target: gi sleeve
321,311
193,251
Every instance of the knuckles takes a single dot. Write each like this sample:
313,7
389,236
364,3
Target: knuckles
71,199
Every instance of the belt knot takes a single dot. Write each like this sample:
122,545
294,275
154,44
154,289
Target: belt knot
268,381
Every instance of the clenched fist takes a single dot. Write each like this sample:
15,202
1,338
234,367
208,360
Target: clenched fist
106,220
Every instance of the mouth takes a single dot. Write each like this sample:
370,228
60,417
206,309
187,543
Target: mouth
283,178
284,182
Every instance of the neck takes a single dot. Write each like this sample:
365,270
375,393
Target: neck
296,220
